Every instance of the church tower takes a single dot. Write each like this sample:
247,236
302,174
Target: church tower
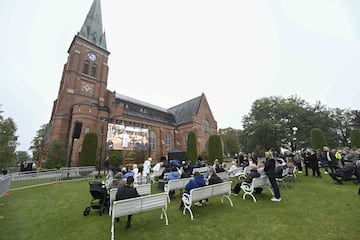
81,103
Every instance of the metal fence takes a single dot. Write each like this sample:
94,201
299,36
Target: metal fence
4,184
22,180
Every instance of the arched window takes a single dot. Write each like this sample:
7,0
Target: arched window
185,138
152,141
206,125
167,141
86,68
93,71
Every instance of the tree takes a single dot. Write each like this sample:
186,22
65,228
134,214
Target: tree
271,121
56,157
355,138
22,156
230,139
116,157
355,123
192,152
37,144
88,153
215,148
8,141
317,137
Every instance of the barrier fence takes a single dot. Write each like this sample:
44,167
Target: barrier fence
22,180
4,185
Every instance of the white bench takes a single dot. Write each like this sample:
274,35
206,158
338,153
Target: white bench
137,205
156,174
139,180
223,175
144,189
205,192
259,182
201,170
175,184
239,172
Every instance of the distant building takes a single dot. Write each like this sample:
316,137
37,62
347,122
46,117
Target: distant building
84,104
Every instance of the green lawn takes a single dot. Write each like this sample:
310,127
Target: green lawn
312,209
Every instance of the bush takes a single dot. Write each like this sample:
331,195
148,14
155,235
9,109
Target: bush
355,138
89,150
317,138
215,149
191,152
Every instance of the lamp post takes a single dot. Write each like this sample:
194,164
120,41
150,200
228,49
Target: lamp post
101,148
293,141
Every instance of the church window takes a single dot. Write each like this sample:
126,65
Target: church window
167,141
93,71
206,125
86,68
185,138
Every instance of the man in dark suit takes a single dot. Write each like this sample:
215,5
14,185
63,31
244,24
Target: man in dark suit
126,192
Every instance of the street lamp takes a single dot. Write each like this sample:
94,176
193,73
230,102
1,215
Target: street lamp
101,148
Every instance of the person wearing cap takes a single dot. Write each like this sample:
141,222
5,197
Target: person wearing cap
126,192
147,168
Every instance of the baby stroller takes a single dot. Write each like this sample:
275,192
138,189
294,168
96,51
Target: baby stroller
100,198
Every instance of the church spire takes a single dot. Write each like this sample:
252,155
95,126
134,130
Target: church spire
92,27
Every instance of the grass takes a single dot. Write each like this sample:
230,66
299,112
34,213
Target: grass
312,209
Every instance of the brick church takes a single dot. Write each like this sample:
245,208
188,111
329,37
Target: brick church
84,104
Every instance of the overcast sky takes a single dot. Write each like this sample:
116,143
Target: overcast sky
166,52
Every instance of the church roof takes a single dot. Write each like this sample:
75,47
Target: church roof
184,112
92,28
176,115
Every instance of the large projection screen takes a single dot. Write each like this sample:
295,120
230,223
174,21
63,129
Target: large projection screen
121,137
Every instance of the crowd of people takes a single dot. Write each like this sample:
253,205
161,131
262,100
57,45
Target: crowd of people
340,165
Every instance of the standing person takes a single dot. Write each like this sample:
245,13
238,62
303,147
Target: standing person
147,167
270,172
126,192
297,161
323,157
314,163
307,162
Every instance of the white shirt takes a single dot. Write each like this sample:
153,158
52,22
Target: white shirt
147,167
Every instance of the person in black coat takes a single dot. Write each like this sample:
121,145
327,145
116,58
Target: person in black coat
270,172
126,192
314,164
253,174
212,179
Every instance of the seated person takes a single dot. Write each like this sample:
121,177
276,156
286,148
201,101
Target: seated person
279,168
173,174
126,192
117,181
357,172
196,182
343,173
219,167
253,174
213,178
233,167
